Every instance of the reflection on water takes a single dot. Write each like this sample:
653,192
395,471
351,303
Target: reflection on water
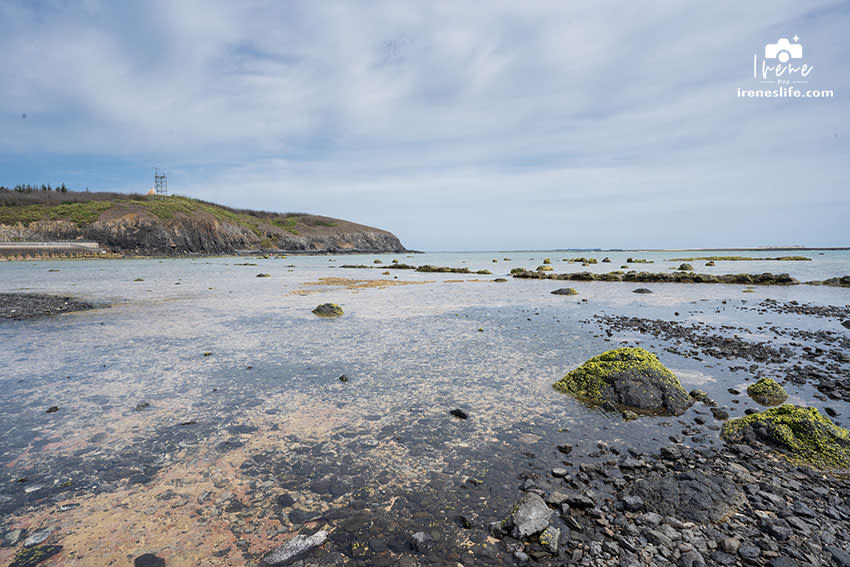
202,417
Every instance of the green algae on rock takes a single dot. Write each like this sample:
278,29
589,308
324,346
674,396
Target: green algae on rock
767,392
801,433
685,268
565,291
630,379
31,556
328,310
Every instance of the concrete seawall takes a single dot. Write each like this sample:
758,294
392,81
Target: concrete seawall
51,249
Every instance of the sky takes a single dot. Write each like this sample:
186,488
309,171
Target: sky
455,125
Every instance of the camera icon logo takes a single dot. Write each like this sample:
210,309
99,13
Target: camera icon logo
783,50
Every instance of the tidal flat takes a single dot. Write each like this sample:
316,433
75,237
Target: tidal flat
202,420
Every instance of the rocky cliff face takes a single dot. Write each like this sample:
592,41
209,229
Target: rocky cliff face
135,231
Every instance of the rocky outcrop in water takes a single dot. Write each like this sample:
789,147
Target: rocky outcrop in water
630,379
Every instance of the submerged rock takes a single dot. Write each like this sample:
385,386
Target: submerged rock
642,290
294,547
530,516
799,432
630,379
37,537
767,392
459,413
31,556
565,291
148,560
328,310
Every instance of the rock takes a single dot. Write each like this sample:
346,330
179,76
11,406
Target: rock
264,275
459,413
749,551
633,503
692,496
692,558
343,378
566,448
606,260
12,537
565,291
52,409
641,290
783,561
846,324
31,556
719,414
559,472
580,501
800,432
521,557
497,529
841,557
776,527
685,268
629,415
767,392
730,545
529,516
631,379
549,539
710,263
294,547
148,560
328,310
698,394
37,537
419,542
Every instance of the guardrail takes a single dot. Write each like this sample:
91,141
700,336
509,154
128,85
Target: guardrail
67,244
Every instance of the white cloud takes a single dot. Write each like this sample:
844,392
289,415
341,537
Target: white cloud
488,116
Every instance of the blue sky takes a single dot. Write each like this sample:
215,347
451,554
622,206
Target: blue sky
458,126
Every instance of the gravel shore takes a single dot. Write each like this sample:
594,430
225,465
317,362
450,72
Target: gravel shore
28,305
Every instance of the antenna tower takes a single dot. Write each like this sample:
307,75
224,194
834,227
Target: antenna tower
160,182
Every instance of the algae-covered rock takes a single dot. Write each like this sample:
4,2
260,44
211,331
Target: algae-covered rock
545,268
328,310
767,392
685,268
565,291
710,263
800,433
32,556
547,260
630,379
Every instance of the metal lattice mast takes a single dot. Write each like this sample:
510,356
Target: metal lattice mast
160,182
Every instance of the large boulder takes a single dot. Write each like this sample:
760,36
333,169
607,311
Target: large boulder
801,433
630,379
767,392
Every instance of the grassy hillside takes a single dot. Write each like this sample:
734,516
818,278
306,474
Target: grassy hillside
83,208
